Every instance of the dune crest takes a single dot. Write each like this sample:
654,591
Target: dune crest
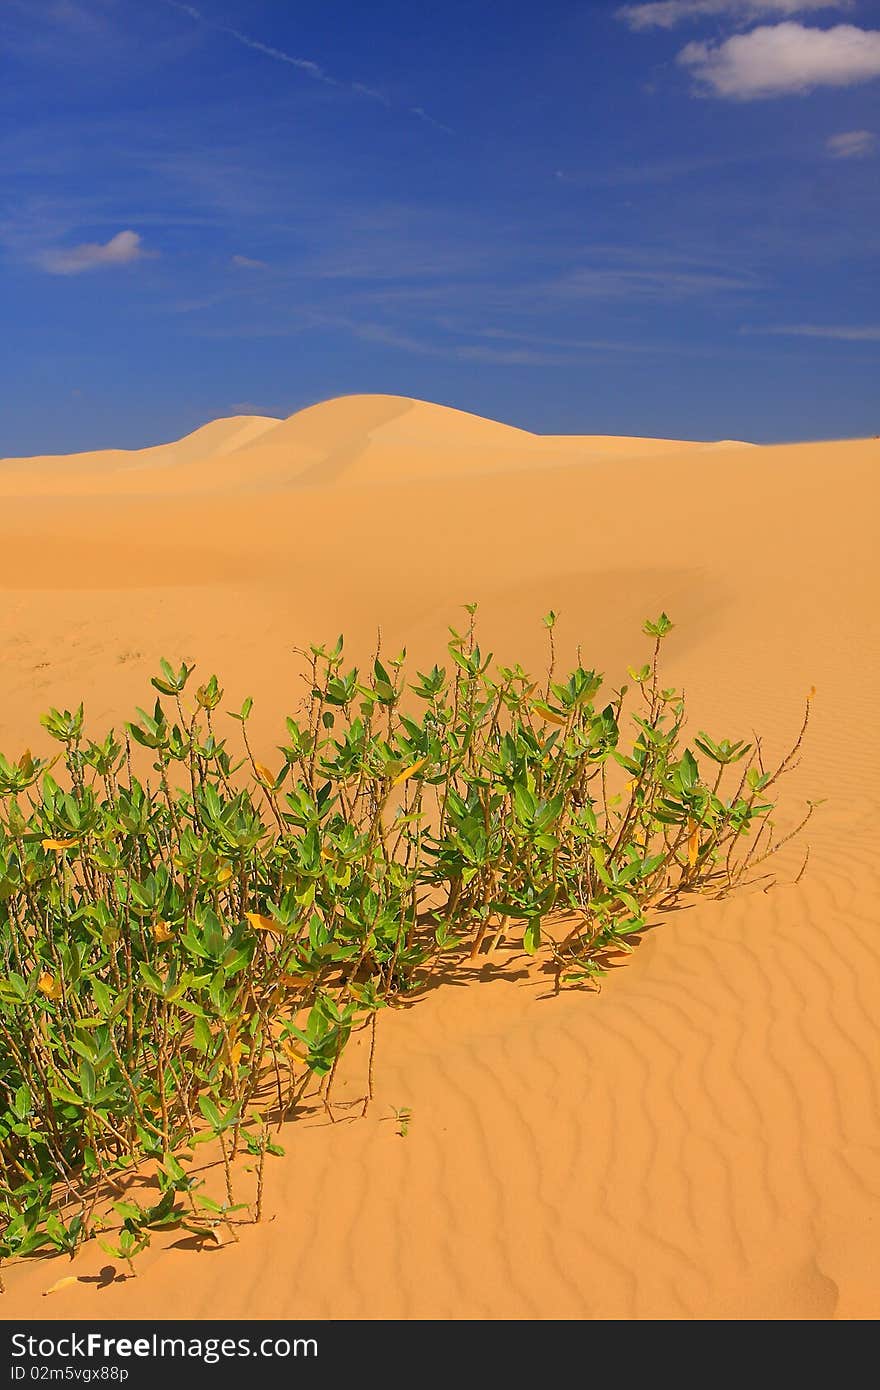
217,437
185,464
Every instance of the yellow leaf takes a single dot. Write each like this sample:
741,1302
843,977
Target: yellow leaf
224,874
551,716
409,772
235,1054
292,981
56,845
265,775
60,1284
260,923
812,692
48,985
693,843
162,932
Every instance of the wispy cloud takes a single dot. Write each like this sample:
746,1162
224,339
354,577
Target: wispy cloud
666,14
422,115
121,249
484,353
662,283
647,172
531,339
869,333
494,346
316,71
516,357
248,263
59,30
851,144
451,341
781,59
305,65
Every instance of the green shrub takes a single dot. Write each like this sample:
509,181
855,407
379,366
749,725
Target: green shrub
181,955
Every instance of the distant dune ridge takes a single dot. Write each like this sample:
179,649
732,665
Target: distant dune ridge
702,1138
359,438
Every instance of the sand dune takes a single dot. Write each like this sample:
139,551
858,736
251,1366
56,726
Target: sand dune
359,438
701,1139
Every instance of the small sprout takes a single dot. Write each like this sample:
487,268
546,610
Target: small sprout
658,627
209,695
64,726
172,682
402,1116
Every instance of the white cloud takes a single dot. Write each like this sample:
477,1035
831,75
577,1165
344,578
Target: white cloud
248,263
665,14
121,249
779,59
868,334
851,144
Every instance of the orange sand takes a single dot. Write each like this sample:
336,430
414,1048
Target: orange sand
701,1139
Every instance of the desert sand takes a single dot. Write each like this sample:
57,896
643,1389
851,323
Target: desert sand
701,1138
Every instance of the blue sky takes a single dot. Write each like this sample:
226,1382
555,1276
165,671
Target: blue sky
655,219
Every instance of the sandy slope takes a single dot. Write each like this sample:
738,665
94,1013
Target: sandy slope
183,465
702,1138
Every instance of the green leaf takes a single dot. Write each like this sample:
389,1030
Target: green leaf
63,1093
88,1081
151,978
211,1113
688,770
21,1103
524,803
532,935
202,1035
